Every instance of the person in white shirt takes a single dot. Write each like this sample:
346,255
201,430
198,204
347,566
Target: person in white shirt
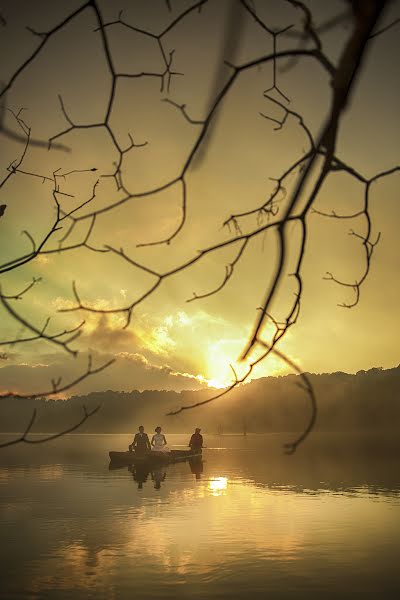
158,441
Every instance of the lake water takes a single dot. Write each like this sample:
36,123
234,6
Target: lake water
247,520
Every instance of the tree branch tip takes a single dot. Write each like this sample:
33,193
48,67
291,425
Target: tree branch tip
231,65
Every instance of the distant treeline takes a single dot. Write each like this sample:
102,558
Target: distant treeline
367,401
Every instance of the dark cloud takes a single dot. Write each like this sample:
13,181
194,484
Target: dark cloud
130,371
106,336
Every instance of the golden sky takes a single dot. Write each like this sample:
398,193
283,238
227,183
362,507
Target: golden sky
172,343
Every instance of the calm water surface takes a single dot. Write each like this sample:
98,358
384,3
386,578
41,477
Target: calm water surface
247,520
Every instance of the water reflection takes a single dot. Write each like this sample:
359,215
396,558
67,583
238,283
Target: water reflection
140,474
142,471
158,475
239,522
196,466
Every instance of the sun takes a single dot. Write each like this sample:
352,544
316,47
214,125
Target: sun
222,364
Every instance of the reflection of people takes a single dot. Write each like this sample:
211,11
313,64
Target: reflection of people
158,475
196,466
196,441
158,441
140,474
140,442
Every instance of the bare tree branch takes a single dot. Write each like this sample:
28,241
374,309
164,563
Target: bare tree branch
274,215
23,438
384,29
58,387
368,244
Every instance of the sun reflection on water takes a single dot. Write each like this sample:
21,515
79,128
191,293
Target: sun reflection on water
218,485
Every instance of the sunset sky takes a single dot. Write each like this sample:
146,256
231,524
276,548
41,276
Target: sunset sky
171,343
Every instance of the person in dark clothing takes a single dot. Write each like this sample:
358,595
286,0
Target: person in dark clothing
141,442
196,441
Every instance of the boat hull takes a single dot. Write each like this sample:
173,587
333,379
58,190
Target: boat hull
128,457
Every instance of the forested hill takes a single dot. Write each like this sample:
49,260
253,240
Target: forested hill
367,401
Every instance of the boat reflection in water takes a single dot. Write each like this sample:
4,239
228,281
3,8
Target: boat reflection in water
141,472
155,464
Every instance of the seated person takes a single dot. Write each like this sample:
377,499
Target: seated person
140,442
196,441
158,441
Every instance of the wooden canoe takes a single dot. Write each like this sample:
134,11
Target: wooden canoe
152,457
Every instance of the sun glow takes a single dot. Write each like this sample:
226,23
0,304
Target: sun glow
223,365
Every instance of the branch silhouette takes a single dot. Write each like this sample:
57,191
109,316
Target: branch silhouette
61,339
58,387
272,216
24,440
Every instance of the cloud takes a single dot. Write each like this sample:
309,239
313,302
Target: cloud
130,371
177,350
106,333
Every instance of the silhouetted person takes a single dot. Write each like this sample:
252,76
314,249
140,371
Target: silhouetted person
196,466
196,442
141,443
